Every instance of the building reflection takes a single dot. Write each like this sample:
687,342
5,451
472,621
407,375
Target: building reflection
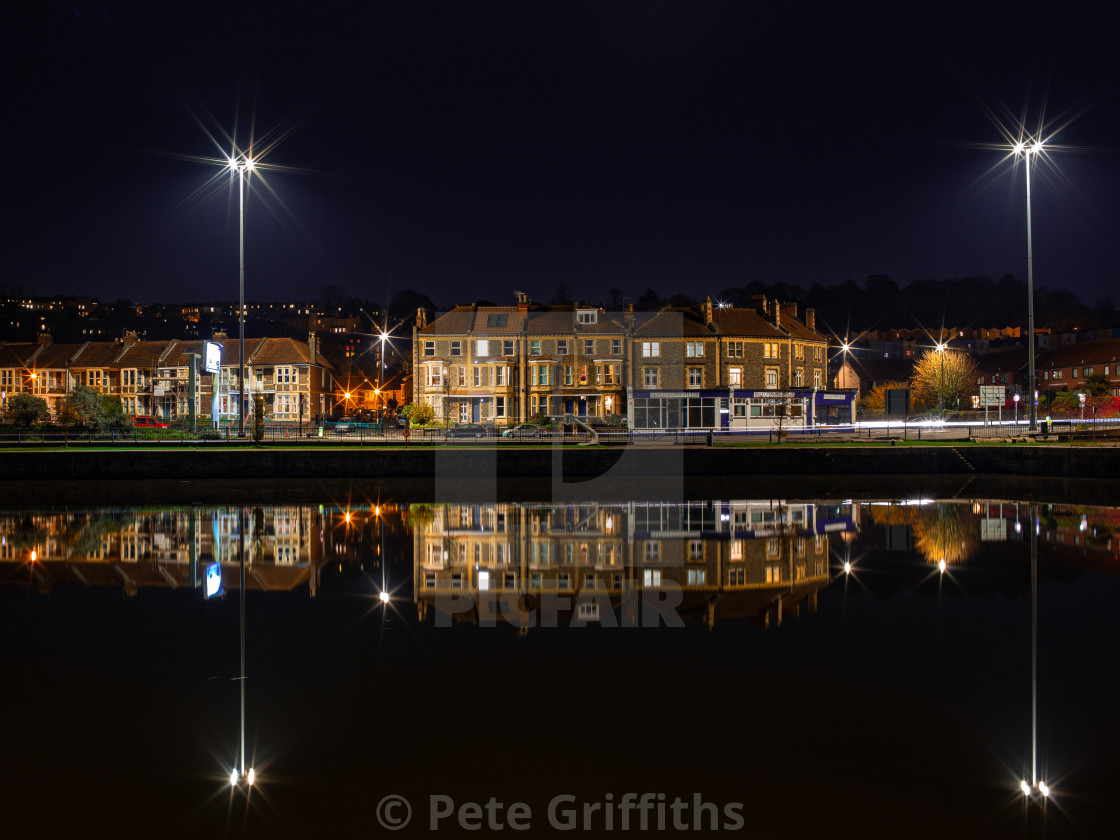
283,547
761,560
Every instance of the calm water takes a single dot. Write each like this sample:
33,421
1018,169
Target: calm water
776,666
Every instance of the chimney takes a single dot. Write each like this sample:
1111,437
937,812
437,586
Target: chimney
758,302
313,348
220,336
775,312
131,337
522,304
708,311
421,318
628,316
811,318
44,339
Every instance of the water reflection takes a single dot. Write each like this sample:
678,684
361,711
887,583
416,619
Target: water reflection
755,559
875,637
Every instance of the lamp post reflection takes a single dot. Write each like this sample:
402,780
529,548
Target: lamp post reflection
1035,784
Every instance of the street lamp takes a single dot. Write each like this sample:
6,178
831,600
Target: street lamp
1027,151
241,165
941,379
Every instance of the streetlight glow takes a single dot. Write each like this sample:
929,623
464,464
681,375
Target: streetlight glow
251,777
1044,788
233,776
941,565
1023,786
384,596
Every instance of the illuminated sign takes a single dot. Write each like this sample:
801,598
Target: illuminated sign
212,357
213,580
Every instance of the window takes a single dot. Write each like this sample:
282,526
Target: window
498,320
697,577
8,377
583,374
694,349
695,377
817,379
462,376
736,577
1058,373
734,349
285,375
608,374
652,577
651,349
434,377
653,550
93,378
799,352
128,378
508,347
481,376
429,580
770,349
773,574
799,377
695,549
735,377
429,348
500,375
562,347
482,347
567,374
1088,371
456,348
773,547
541,375
649,377
586,316
499,406
535,347
818,353
771,378
616,346
589,347
1075,373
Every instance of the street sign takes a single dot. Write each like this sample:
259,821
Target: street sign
1082,398
992,395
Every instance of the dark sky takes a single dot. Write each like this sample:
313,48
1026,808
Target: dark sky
469,149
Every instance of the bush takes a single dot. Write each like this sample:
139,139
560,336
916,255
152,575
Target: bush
26,410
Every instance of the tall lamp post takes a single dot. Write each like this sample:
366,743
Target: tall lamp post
1028,151
941,379
241,165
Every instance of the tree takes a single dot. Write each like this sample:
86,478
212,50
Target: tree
25,410
944,380
1096,385
82,407
876,399
563,295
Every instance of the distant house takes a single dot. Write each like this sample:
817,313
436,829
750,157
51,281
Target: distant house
153,377
862,374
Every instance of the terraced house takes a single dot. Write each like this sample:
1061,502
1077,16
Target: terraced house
505,364
712,367
154,378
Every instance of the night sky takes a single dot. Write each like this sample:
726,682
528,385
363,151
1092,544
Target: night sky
469,149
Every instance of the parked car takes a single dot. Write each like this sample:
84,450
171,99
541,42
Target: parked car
468,430
149,423
526,431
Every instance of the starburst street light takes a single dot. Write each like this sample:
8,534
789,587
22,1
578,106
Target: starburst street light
242,164
1030,152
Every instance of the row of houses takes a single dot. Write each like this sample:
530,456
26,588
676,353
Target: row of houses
161,378
705,367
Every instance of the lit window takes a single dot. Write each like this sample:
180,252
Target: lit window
651,349
735,377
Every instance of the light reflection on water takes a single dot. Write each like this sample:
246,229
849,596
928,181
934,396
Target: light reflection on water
845,651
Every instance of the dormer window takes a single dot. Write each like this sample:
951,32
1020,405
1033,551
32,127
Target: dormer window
587,316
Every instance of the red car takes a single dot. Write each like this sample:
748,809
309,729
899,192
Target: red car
149,423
